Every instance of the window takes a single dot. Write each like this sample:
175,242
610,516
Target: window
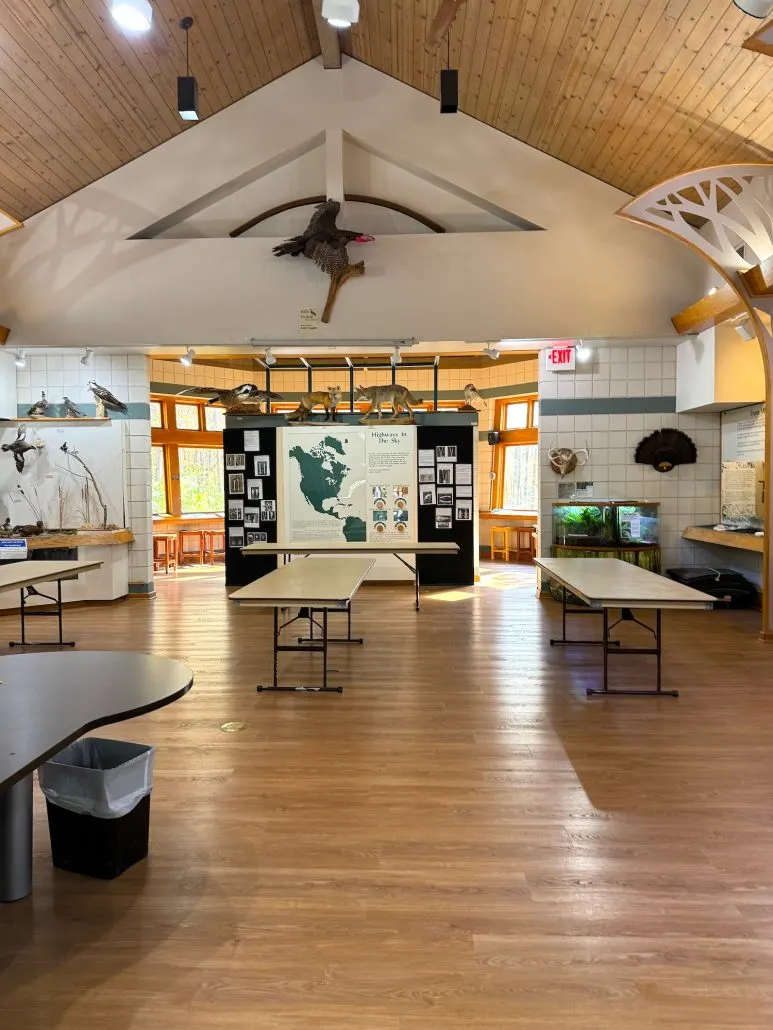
187,458
201,480
156,421
158,480
516,456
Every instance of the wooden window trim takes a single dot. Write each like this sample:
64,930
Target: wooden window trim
510,438
171,439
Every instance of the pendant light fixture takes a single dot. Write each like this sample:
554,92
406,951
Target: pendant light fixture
132,15
341,14
449,83
187,87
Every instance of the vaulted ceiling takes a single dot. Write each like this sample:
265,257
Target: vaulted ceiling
630,91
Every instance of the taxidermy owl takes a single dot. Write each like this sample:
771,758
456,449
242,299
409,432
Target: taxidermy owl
666,448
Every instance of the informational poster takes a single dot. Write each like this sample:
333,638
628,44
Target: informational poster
251,440
348,483
743,434
741,486
742,468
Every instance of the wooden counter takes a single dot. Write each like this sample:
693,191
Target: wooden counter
726,538
84,538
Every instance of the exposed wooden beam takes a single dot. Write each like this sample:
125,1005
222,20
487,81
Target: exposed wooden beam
708,311
759,280
328,39
5,332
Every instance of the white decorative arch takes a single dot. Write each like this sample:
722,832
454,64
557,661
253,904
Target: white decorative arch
726,215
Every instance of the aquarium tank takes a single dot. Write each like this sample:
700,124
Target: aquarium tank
637,522
590,525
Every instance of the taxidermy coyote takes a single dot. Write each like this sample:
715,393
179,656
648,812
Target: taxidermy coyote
329,399
397,397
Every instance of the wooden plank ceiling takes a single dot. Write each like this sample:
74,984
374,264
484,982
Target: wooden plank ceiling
630,91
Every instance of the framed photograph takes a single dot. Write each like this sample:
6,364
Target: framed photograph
256,538
235,511
463,511
445,475
464,473
235,461
268,511
427,475
252,439
465,490
400,515
426,458
254,489
451,452
235,536
251,516
236,483
440,453
445,497
380,516
443,518
427,494
262,465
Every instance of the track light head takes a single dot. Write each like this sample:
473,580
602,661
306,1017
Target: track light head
341,14
132,15
188,356
582,352
491,351
745,331
269,358
396,356
21,359
88,357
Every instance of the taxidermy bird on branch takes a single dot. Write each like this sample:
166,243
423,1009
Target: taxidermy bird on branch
325,244
105,399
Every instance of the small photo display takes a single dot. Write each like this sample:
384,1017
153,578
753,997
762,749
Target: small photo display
256,538
262,465
400,515
268,511
235,536
427,494
251,516
426,459
380,516
235,461
446,452
401,492
443,518
235,511
254,489
380,493
464,491
445,496
463,511
464,473
252,439
427,475
445,475
236,483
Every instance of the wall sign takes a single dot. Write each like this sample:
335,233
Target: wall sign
13,550
308,321
560,358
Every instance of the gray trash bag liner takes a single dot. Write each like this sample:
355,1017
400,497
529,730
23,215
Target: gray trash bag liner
103,778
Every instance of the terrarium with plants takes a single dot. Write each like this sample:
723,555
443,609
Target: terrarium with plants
590,525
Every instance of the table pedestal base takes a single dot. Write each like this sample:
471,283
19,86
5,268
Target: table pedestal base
16,841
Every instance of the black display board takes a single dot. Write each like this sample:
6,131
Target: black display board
446,569
242,569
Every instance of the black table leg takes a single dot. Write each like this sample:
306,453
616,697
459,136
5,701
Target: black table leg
34,613
16,841
319,646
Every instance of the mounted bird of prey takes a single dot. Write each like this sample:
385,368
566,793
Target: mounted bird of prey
325,244
73,411
247,393
20,447
39,408
105,399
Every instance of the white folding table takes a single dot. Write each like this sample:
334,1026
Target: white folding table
313,584
23,575
374,548
604,583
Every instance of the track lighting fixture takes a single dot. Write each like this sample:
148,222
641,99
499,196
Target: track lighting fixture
21,359
396,356
745,331
88,357
490,351
269,358
756,8
582,352
132,15
712,291
341,14
187,87
188,356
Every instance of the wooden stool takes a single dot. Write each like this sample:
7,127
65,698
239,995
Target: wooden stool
525,543
196,536
502,548
166,555
214,544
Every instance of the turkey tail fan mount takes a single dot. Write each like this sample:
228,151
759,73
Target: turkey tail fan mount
442,22
666,448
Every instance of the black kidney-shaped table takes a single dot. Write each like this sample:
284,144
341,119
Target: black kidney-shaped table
46,702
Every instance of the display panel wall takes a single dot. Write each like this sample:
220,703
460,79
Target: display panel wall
440,521
250,486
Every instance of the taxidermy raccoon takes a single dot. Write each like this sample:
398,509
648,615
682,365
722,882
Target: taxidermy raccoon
398,398
329,399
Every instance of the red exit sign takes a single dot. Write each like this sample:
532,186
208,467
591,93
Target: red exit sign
560,358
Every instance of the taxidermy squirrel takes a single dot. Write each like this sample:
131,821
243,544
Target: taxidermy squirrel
329,399
397,397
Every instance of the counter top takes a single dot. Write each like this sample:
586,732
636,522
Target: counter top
725,538
83,538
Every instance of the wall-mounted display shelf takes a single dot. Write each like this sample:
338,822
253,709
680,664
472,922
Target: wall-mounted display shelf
725,538
57,421
83,538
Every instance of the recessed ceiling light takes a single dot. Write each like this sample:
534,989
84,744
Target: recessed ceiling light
188,356
132,15
341,14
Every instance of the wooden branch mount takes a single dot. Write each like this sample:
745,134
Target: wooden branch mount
336,282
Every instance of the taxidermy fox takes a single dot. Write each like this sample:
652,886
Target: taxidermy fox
397,397
329,399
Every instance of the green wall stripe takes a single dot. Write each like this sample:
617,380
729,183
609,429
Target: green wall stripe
608,406
137,409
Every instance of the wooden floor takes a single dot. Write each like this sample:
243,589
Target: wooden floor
460,840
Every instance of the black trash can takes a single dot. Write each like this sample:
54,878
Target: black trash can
98,802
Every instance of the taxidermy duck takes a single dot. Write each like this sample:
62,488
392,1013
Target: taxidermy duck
22,446
325,244
39,409
105,399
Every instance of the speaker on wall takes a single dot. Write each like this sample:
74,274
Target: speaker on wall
449,90
493,437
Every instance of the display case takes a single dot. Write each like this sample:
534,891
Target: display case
606,524
637,522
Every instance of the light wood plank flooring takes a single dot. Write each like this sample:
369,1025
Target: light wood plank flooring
459,840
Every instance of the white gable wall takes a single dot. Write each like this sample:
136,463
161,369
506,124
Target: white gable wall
72,276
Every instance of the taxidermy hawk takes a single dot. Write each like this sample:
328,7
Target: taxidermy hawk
247,393
20,447
105,398
325,244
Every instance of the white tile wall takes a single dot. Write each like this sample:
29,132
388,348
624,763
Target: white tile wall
688,495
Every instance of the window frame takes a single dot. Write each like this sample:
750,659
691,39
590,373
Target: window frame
170,438
511,438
